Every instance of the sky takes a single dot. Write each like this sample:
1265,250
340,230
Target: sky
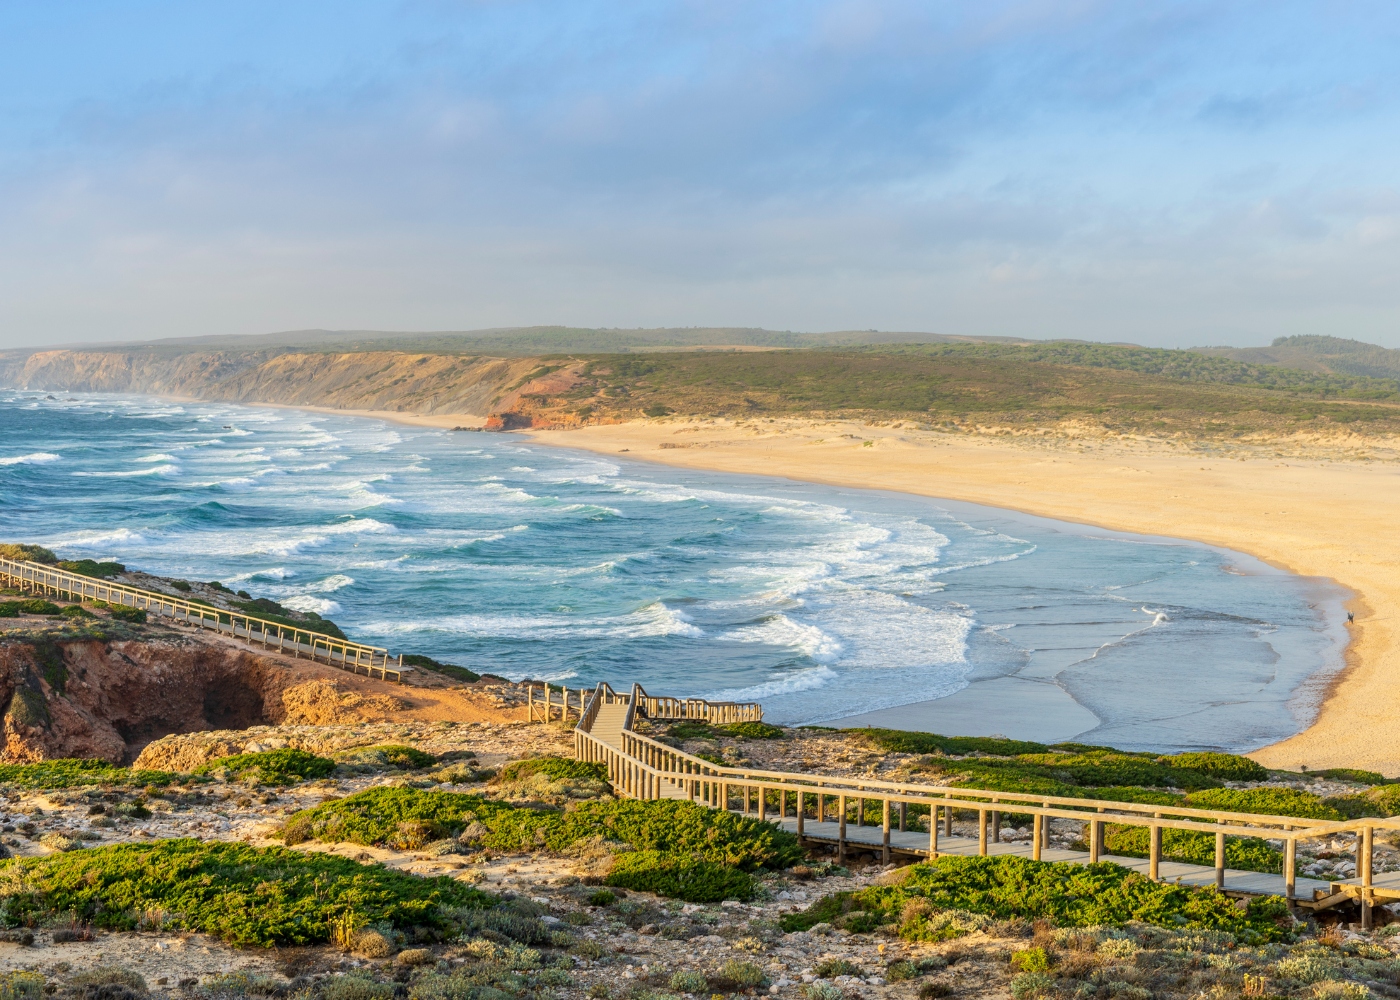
1165,173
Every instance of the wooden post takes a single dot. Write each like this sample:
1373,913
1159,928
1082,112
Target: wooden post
996,826
885,841
841,834
1220,861
1037,822
947,821
1045,828
530,701
1365,871
762,804
801,810
782,804
933,831
903,815
1154,853
821,805
1094,841
982,833
1290,868
860,812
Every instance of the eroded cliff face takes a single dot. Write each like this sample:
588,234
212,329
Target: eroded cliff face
376,380
93,698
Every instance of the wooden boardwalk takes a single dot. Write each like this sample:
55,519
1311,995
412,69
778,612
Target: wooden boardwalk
51,581
641,767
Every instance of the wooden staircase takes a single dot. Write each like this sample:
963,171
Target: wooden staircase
607,724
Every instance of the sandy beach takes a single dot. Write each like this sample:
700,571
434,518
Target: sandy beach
1317,516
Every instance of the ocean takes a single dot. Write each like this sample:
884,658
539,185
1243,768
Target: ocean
526,561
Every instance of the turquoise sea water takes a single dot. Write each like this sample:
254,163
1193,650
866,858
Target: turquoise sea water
521,560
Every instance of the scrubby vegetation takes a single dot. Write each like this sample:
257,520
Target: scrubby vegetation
388,756
1014,887
31,606
1242,853
87,567
244,895
24,552
674,835
78,773
271,767
970,384
446,669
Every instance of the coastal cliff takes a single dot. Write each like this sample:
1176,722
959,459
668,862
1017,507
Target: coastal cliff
380,380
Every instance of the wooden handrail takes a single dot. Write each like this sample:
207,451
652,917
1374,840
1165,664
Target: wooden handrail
345,653
644,767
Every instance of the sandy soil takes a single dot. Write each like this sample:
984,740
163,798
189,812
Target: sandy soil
1315,509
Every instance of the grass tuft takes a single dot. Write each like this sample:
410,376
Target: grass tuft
271,767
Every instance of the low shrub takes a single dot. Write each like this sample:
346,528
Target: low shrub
830,968
72,773
680,876
741,975
900,741
125,614
385,756
1352,774
29,606
86,567
1249,854
22,986
1225,766
76,611
754,730
446,669
689,981
555,768
271,767
24,552
1008,887
244,895
1269,801
410,817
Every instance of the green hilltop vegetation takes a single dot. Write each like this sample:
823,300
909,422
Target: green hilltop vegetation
1315,353
957,384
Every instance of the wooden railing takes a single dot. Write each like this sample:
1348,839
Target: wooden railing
343,653
644,768
716,712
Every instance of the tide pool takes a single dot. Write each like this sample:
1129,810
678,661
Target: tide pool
527,561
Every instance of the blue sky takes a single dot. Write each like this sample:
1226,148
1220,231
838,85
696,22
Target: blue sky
1163,173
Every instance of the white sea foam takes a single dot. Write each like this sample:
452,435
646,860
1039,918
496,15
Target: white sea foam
809,679
304,602
155,470
159,457
34,458
653,620
780,630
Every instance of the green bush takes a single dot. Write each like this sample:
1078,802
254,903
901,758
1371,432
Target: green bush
125,614
1249,854
68,773
446,669
1009,887
244,895
29,606
556,768
388,755
680,876
23,552
387,815
271,767
86,567
1351,774
899,741
76,611
1267,801
1225,766
754,730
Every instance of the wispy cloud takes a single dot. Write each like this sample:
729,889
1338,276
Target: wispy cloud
1163,172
